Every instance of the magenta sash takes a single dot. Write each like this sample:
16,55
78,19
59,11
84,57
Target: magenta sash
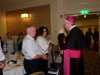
67,55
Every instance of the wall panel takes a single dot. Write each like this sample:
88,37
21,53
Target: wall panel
38,16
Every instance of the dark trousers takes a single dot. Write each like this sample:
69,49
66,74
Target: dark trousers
32,66
44,66
77,66
1,72
96,46
88,43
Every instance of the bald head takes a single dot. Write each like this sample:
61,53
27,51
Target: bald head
31,30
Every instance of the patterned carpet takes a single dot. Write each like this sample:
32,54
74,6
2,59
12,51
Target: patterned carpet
91,62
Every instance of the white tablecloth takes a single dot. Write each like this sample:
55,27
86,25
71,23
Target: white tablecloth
15,71
11,68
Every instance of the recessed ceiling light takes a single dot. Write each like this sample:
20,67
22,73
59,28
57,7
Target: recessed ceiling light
84,16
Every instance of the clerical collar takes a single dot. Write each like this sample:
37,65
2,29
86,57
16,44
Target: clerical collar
72,27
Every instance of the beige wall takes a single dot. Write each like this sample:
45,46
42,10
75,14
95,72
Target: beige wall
66,7
58,7
32,3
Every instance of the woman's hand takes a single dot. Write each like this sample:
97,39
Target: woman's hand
49,42
44,56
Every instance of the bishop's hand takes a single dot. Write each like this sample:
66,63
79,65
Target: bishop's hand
61,31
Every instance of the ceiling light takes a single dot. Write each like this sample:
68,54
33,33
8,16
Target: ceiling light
84,16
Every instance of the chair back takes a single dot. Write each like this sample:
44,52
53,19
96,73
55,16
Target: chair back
38,73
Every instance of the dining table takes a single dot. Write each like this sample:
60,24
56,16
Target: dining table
12,67
15,70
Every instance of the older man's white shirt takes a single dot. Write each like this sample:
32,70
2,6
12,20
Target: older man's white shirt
30,48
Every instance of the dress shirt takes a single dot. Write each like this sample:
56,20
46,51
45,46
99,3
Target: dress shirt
42,43
30,48
2,56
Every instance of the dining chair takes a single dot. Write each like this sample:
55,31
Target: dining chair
38,73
